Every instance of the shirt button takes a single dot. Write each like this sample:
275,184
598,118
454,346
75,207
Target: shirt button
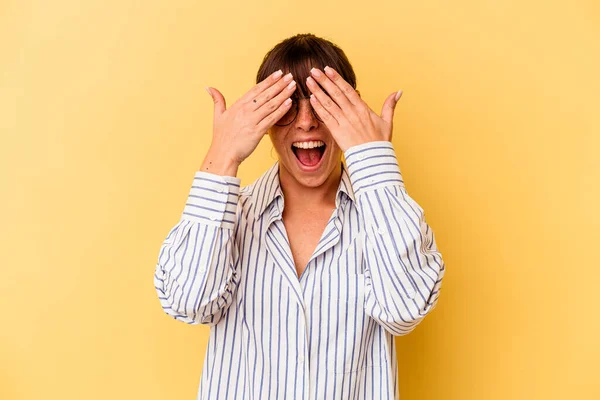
361,156
221,189
300,359
201,269
381,231
212,217
411,294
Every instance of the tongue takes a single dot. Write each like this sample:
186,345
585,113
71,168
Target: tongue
308,157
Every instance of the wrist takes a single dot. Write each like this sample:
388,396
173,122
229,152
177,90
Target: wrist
220,163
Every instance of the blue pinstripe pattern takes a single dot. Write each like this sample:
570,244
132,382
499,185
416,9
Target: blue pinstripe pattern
328,334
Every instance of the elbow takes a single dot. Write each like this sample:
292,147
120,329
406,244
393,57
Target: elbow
193,310
399,318
189,316
174,310
398,326
401,325
172,305
424,308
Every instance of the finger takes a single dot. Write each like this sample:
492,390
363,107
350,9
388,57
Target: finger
325,101
389,106
325,115
261,86
344,86
273,104
219,101
275,116
271,92
333,90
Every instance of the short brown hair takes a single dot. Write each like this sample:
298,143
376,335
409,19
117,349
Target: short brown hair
298,54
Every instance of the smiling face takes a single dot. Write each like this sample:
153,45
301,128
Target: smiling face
298,54
320,162
309,157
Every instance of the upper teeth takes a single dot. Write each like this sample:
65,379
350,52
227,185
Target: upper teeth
308,145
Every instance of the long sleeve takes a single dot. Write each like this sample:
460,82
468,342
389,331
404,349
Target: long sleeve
403,267
197,274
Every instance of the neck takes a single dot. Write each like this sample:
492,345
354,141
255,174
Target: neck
297,194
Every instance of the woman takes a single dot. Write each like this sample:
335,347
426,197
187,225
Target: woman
306,275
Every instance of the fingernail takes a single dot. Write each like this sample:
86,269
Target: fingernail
328,71
278,73
315,72
206,87
398,95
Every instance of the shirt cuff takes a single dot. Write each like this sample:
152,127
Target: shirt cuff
373,165
213,200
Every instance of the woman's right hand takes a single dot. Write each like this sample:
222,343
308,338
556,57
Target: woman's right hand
237,131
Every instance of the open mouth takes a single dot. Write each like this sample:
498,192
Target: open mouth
309,157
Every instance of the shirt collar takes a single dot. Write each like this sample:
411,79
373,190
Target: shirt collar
267,188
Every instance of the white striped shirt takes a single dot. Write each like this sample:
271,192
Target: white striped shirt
375,273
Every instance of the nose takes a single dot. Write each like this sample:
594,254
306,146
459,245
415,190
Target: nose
306,116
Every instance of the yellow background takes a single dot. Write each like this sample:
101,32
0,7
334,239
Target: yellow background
104,120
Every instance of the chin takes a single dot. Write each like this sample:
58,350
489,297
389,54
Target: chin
311,180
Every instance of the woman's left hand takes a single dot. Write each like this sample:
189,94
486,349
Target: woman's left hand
348,118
